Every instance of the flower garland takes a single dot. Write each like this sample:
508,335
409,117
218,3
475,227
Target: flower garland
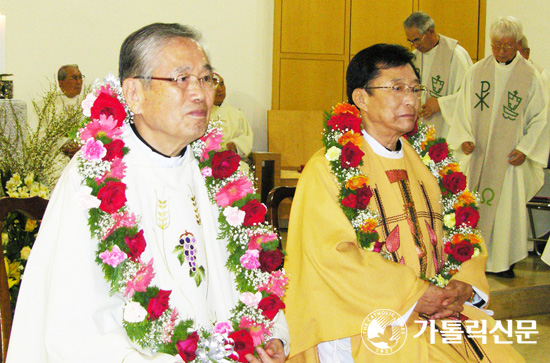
342,139
254,258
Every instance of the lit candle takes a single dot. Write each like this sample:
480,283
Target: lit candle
2,43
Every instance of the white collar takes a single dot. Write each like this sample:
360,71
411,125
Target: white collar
381,150
167,162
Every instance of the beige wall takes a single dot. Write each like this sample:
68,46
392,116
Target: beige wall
43,34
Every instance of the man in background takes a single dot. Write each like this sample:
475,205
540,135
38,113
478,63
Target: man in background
237,133
500,133
442,63
70,79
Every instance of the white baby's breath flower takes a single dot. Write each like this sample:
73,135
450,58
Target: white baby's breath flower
333,153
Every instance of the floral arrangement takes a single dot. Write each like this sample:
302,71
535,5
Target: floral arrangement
254,258
27,151
19,232
342,139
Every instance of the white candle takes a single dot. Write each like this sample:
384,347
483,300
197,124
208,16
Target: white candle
2,44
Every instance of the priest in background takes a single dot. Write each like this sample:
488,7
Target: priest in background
442,63
500,133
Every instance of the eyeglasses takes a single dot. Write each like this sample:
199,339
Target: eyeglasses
76,78
401,89
210,81
417,40
506,47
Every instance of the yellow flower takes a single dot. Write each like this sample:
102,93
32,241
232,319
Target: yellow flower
29,179
13,271
350,136
30,225
15,181
13,194
426,159
25,252
453,167
24,192
35,189
449,220
345,108
43,192
368,226
5,239
357,182
333,153
466,198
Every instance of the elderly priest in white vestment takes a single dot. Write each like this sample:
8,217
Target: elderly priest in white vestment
500,132
442,64
169,221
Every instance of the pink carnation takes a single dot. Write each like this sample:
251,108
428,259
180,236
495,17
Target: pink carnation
251,259
250,299
141,280
118,171
206,171
276,284
234,216
233,191
125,219
87,104
223,327
212,141
93,150
104,126
113,257
256,240
258,331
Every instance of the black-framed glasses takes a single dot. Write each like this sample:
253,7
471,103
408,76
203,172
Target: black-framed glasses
209,81
401,89
417,40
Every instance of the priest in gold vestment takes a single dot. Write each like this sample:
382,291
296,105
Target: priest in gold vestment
335,285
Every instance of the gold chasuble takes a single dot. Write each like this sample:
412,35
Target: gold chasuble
335,284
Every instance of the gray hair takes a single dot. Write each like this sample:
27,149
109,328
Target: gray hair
139,51
62,72
523,43
506,27
419,20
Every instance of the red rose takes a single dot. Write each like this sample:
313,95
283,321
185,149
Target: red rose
112,196
467,216
114,150
270,306
224,164
136,244
439,152
462,251
350,201
188,347
351,155
454,182
109,106
270,260
158,304
363,197
345,121
255,212
242,345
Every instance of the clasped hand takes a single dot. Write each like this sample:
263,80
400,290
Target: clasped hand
441,303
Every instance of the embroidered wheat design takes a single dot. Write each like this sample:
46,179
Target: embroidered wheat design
163,215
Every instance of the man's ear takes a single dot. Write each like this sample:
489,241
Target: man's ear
359,97
133,91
